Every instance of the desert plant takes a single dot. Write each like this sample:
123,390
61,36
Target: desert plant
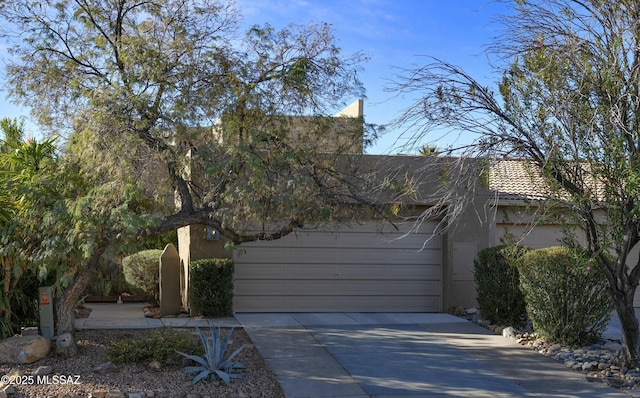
498,285
211,284
213,364
566,294
160,345
142,271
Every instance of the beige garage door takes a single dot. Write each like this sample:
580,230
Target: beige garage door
358,268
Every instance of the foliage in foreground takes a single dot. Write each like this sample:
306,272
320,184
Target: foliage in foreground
160,345
566,294
566,104
136,111
213,365
27,188
498,285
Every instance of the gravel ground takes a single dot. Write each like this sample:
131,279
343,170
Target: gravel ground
167,381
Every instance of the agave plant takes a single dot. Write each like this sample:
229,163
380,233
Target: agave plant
213,364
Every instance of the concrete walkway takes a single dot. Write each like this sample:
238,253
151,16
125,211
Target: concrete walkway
131,316
356,355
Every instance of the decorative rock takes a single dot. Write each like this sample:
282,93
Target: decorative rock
136,395
8,390
599,362
115,394
15,373
509,333
154,365
65,345
555,347
24,350
98,394
613,346
43,370
105,367
150,394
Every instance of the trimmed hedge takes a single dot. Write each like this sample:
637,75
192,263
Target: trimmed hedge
566,294
498,285
211,286
142,271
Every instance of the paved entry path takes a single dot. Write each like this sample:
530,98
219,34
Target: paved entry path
356,355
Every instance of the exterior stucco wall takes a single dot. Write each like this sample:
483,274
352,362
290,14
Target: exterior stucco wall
193,245
473,232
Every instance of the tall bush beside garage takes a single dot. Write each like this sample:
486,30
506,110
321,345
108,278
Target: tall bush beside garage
566,294
498,285
211,286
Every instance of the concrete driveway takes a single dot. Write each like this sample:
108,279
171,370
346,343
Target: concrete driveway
359,355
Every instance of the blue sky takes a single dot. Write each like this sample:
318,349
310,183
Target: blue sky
393,33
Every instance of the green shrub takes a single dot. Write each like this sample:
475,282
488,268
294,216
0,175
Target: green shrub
566,294
211,285
159,345
498,285
142,271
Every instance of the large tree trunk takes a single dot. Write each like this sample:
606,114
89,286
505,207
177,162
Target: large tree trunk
630,327
65,312
66,305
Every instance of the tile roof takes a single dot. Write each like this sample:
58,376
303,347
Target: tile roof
516,180
521,180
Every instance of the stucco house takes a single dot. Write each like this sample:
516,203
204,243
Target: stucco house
376,266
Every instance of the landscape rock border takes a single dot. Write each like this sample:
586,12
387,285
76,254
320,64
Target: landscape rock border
598,362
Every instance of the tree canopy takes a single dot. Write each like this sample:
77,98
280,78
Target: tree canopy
168,116
568,104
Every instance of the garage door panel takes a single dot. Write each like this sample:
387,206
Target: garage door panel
271,255
338,239
340,304
340,287
253,254
397,271
355,269
262,271
344,271
353,239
